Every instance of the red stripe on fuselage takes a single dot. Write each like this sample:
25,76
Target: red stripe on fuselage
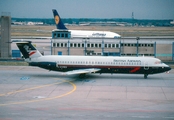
135,69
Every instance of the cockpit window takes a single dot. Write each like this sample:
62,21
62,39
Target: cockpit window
158,62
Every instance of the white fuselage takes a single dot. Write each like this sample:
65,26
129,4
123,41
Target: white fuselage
93,34
101,62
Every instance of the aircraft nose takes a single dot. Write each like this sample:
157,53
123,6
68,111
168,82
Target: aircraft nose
169,68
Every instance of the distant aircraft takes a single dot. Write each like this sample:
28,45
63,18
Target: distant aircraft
83,33
91,64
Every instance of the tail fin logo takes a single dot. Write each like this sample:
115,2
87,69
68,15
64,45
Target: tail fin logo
57,19
29,50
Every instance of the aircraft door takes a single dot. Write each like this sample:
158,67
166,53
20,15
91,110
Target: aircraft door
86,62
57,64
93,63
146,66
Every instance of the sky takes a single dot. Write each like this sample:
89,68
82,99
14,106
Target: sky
142,9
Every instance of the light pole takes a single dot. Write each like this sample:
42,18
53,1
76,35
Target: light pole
103,45
68,45
85,45
137,44
120,47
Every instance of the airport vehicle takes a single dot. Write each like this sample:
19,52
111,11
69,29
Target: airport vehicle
83,33
91,64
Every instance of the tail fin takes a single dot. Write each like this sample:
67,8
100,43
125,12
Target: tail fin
28,50
58,21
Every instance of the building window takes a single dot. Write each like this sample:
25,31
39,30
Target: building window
92,45
75,45
58,45
88,45
132,45
54,44
99,45
54,35
61,44
82,44
66,35
98,53
96,45
105,45
62,35
113,45
78,44
109,45
117,45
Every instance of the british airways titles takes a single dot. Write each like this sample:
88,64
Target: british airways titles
137,61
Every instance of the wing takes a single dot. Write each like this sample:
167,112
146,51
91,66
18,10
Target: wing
81,71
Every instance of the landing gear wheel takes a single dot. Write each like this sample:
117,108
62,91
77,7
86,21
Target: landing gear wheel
145,76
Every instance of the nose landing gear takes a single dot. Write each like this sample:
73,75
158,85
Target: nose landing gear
145,76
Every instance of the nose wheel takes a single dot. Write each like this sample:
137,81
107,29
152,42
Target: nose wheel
145,76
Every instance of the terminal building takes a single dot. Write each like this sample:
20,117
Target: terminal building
160,47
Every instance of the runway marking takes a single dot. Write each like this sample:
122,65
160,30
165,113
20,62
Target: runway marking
27,89
44,99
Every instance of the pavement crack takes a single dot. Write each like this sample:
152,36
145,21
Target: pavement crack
89,92
164,93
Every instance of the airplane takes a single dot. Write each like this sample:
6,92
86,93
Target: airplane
83,65
82,33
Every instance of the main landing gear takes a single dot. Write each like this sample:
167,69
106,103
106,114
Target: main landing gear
145,76
82,75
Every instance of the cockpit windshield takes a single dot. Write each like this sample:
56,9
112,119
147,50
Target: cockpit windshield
158,62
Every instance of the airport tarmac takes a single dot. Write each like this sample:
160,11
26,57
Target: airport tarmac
31,93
